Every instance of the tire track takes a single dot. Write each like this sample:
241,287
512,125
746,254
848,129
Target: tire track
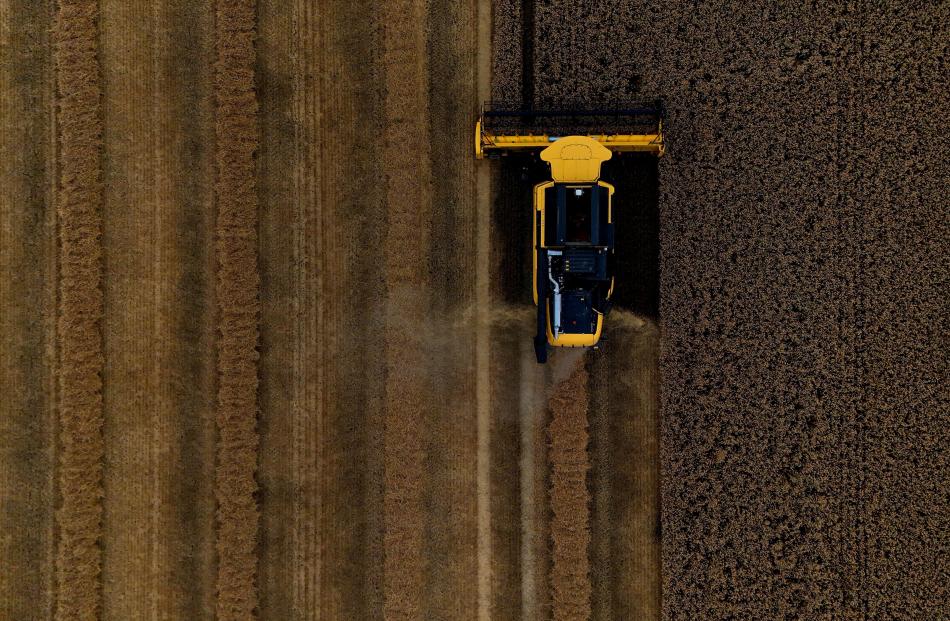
238,282
79,203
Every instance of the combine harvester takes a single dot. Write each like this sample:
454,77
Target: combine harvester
573,262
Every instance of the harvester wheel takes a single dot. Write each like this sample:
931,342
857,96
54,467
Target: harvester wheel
541,349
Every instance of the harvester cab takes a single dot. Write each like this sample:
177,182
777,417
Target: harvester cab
573,234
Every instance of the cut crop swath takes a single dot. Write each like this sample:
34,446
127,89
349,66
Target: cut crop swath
570,498
238,283
79,325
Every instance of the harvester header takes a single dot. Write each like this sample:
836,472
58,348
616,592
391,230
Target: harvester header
502,128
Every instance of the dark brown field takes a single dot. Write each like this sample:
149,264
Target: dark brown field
265,323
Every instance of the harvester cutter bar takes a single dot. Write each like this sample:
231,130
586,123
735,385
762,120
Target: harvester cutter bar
501,128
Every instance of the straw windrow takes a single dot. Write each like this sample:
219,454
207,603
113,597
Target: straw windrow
238,282
78,206
570,499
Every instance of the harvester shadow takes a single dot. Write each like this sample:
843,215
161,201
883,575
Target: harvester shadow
636,215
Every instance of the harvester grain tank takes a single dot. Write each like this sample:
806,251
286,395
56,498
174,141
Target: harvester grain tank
573,262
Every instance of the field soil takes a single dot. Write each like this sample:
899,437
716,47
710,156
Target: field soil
265,323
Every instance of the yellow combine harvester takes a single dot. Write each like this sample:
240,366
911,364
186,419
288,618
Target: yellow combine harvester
573,259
